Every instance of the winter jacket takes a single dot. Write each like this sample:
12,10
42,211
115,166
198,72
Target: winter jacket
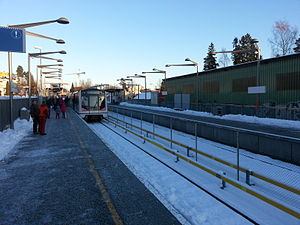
34,110
44,111
63,107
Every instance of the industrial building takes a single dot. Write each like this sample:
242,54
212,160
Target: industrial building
274,81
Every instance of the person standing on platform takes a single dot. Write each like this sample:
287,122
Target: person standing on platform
63,109
57,111
34,113
43,115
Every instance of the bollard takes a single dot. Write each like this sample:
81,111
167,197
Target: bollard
220,175
248,174
188,151
177,159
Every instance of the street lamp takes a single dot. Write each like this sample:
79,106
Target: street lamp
33,55
159,71
195,64
37,69
141,76
61,20
41,66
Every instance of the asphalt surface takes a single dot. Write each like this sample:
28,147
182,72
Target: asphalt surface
70,177
272,129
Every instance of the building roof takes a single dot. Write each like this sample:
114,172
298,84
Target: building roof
262,61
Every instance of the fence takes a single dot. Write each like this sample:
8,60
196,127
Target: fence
18,103
275,146
288,112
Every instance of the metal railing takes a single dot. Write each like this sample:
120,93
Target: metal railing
234,136
199,165
288,112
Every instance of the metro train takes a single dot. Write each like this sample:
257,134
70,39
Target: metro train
90,104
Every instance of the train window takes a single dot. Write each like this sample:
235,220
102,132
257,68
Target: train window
92,100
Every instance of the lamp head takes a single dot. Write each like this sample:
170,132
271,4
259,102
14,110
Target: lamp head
62,52
187,59
142,73
167,65
62,20
60,41
59,60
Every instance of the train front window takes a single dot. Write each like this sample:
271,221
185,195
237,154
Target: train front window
92,100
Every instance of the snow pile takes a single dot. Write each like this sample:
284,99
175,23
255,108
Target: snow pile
9,138
239,117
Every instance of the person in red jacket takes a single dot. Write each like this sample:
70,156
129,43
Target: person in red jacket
43,116
63,109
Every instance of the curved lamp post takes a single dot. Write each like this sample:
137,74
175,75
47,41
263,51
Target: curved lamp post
141,76
33,55
195,64
61,20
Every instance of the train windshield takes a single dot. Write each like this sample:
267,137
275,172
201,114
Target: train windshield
92,100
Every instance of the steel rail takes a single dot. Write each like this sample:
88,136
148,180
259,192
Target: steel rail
185,177
257,175
223,178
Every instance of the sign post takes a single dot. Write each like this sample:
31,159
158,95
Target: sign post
12,40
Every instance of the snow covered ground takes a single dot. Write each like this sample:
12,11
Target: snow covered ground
10,137
188,203
249,119
192,204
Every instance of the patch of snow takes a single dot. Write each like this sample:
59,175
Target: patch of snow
10,137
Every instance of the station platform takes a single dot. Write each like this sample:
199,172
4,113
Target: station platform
69,176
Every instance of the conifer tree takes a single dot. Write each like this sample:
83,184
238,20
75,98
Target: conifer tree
210,61
297,48
245,43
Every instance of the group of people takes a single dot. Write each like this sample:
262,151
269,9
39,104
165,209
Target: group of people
40,113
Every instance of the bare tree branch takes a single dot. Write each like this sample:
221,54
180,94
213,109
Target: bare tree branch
284,37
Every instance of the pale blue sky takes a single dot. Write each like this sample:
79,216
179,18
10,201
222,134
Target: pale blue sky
114,38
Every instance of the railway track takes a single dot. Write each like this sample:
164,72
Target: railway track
274,185
225,180
182,175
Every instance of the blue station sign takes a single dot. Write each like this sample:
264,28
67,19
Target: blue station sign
12,40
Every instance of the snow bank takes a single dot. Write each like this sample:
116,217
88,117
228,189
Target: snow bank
9,138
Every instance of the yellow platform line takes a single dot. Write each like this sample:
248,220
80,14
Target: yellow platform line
115,216
259,176
233,183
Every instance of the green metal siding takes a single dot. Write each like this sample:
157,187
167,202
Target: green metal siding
217,86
